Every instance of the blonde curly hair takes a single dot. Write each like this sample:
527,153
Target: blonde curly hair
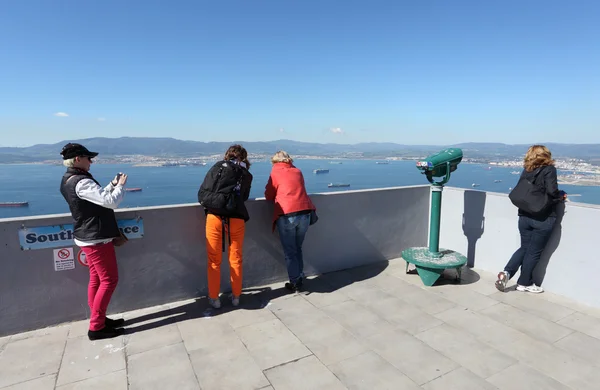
281,156
537,156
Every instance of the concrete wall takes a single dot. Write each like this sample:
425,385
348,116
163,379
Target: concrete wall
483,226
169,262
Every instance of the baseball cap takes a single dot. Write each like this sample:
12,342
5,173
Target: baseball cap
71,150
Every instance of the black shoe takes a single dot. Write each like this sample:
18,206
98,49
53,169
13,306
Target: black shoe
293,287
105,333
119,322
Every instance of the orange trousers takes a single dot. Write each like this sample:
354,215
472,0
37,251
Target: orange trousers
214,248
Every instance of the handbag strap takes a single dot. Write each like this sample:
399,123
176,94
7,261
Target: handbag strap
535,177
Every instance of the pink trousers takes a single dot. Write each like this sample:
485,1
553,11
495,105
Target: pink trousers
104,277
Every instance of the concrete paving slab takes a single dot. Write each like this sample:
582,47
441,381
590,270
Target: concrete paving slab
411,356
427,301
163,368
271,343
230,366
555,363
464,297
534,305
31,358
581,345
370,371
44,383
114,381
84,359
582,323
357,319
151,339
459,379
476,356
205,332
302,374
524,377
536,327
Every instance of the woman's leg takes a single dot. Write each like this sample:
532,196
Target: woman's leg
237,228
517,258
93,284
286,227
301,229
214,248
539,238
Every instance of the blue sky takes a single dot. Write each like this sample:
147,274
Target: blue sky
414,72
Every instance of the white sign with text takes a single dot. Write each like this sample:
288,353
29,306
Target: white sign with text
64,259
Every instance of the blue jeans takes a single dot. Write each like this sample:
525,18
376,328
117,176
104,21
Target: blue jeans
534,237
291,233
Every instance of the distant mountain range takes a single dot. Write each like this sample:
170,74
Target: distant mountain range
170,147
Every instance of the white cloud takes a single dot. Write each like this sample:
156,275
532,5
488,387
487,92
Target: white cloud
101,119
61,114
282,130
336,130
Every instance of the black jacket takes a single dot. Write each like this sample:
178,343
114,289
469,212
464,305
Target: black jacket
91,221
546,178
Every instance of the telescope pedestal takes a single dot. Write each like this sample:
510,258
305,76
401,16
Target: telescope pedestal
430,266
431,262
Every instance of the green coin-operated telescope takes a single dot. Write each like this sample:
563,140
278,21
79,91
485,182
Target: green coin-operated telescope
441,164
431,262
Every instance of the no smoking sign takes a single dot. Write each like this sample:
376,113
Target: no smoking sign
81,258
63,259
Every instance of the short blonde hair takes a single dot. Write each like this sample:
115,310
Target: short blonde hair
281,157
69,163
537,156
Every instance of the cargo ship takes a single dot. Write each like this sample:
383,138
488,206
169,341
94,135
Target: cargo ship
14,204
382,162
335,185
321,170
134,189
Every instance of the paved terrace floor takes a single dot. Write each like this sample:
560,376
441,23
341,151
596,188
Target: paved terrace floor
370,328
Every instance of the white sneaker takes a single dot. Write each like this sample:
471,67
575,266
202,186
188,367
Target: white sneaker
532,289
216,303
502,280
235,301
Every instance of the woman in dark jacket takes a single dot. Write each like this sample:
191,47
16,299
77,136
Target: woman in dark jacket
535,229
291,214
227,179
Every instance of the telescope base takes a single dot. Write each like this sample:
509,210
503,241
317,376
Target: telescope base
430,266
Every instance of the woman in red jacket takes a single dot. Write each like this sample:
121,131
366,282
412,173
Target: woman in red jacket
292,213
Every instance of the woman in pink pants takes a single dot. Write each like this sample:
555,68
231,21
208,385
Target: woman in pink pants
94,228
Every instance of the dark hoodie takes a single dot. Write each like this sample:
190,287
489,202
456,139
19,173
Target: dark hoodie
546,178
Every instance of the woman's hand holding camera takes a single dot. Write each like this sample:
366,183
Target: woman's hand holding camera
121,179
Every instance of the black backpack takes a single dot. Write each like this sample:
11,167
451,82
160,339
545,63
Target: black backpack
529,196
220,190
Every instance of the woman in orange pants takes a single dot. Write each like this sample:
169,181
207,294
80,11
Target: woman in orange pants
222,194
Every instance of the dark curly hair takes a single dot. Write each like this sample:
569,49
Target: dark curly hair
237,152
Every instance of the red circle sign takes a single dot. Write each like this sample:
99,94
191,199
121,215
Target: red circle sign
81,258
64,253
